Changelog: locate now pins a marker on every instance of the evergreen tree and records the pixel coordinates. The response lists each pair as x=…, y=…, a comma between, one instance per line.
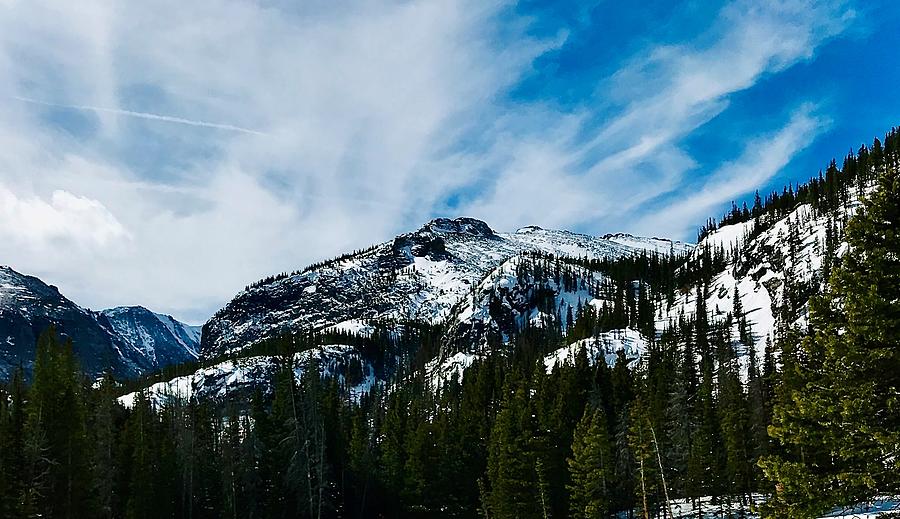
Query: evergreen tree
x=12, y=445
x=58, y=477
x=640, y=440
x=106, y=419
x=591, y=467
x=514, y=489
x=842, y=418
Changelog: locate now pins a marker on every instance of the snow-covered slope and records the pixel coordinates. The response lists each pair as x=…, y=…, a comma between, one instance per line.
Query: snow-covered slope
x=604, y=347
x=244, y=375
x=775, y=262
x=420, y=275
x=125, y=342
x=527, y=290
x=765, y=267
x=518, y=292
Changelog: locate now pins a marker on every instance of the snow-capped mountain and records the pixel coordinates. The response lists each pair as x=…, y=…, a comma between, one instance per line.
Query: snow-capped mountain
x=483, y=285
x=536, y=291
x=775, y=261
x=125, y=341
x=160, y=338
x=421, y=275
x=518, y=287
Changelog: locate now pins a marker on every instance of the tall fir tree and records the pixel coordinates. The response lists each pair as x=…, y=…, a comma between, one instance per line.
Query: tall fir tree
x=59, y=484
x=591, y=467
x=841, y=420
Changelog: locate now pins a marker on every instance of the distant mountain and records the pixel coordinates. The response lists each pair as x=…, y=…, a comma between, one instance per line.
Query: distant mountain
x=128, y=342
x=774, y=261
x=161, y=339
x=429, y=275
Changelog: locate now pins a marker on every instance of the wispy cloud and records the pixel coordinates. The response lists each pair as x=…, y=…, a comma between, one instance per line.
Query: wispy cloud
x=141, y=115
x=666, y=93
x=356, y=103
x=761, y=160
x=376, y=116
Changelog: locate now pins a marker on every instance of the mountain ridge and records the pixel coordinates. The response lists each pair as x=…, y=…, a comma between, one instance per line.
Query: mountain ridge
x=125, y=341
x=420, y=274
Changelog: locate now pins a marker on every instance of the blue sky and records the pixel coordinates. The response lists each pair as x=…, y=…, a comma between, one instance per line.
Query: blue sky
x=167, y=154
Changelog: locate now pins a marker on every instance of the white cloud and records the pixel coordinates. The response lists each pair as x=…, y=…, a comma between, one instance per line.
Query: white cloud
x=637, y=154
x=66, y=219
x=355, y=104
x=760, y=161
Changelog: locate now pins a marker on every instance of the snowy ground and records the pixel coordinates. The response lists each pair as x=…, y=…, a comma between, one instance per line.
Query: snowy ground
x=707, y=508
x=606, y=346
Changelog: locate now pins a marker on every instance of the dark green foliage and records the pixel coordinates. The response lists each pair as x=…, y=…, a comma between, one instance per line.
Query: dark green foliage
x=56, y=448
x=513, y=459
x=839, y=414
x=591, y=467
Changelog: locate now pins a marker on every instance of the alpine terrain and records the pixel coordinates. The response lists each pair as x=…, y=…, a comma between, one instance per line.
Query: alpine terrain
x=126, y=342
x=457, y=371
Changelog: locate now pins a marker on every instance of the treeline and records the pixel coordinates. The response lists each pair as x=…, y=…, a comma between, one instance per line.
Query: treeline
x=314, y=266
x=510, y=439
x=391, y=348
x=826, y=192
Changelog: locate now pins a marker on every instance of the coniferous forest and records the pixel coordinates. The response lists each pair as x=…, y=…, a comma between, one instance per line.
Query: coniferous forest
x=808, y=423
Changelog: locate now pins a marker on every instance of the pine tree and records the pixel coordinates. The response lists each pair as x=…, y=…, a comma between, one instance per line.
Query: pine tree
x=591, y=467
x=841, y=417
x=744, y=333
x=142, y=434
x=680, y=420
x=232, y=470
x=12, y=445
x=705, y=463
x=758, y=416
x=105, y=422
x=511, y=461
x=59, y=479
x=640, y=440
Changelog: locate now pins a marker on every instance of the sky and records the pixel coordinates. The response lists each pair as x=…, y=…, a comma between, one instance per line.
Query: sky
x=168, y=153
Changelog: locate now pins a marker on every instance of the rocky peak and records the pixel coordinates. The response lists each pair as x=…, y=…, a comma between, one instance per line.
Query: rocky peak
x=461, y=225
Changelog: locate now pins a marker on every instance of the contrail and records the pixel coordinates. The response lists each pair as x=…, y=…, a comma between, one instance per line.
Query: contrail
x=142, y=115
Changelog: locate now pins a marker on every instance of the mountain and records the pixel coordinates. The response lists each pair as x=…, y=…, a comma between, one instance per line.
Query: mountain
x=128, y=342
x=244, y=375
x=775, y=261
x=483, y=287
x=420, y=275
x=161, y=339
x=425, y=276
x=535, y=373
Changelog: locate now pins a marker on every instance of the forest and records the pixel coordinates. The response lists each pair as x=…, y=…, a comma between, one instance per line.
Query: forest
x=809, y=423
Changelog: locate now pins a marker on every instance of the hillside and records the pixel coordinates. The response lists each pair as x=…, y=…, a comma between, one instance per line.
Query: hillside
x=416, y=276
x=455, y=370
